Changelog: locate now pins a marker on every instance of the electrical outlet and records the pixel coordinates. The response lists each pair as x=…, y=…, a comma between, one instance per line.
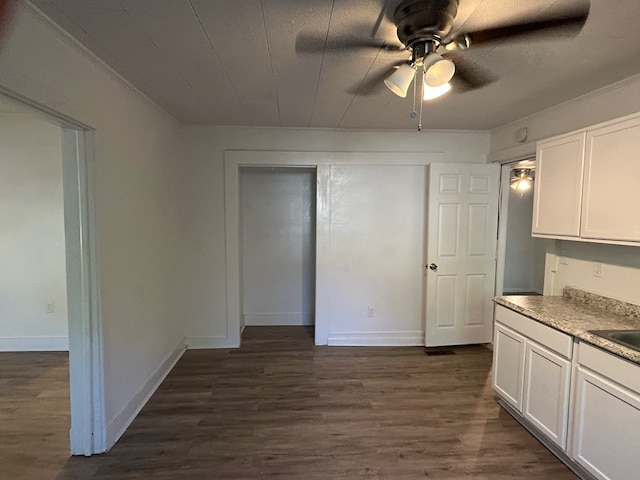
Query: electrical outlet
x=597, y=269
x=370, y=312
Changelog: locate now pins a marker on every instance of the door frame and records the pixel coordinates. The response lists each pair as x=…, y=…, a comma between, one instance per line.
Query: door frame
x=503, y=219
x=234, y=162
x=268, y=170
x=87, y=433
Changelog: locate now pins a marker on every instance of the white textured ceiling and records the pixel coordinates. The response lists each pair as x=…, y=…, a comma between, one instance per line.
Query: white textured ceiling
x=235, y=62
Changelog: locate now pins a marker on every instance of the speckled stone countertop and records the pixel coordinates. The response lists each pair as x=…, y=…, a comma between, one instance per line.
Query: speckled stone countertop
x=577, y=312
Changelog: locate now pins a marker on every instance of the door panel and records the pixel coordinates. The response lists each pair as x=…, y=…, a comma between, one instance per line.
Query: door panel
x=448, y=232
x=446, y=301
x=462, y=230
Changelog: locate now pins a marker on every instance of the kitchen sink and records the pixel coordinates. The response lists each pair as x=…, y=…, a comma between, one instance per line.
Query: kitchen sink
x=628, y=338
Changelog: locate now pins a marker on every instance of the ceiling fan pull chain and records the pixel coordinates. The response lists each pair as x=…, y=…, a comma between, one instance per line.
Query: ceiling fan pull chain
x=421, y=99
x=413, y=112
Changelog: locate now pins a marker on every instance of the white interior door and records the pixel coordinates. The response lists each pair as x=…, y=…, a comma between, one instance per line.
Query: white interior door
x=461, y=253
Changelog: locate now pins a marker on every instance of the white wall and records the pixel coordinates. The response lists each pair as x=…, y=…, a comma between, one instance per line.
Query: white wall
x=278, y=245
x=377, y=245
x=524, y=255
x=205, y=147
x=620, y=269
x=138, y=200
x=613, y=101
x=33, y=292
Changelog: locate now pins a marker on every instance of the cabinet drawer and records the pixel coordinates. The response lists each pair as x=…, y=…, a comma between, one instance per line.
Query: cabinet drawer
x=559, y=342
x=615, y=368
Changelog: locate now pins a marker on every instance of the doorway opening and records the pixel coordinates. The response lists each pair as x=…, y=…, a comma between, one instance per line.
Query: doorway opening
x=48, y=229
x=277, y=247
x=521, y=257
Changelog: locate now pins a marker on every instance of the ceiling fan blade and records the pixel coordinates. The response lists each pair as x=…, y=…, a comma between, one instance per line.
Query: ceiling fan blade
x=376, y=26
x=386, y=13
x=6, y=13
x=469, y=75
x=569, y=23
x=374, y=83
x=307, y=42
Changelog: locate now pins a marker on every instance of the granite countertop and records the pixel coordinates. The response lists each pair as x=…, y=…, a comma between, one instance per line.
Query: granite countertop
x=577, y=312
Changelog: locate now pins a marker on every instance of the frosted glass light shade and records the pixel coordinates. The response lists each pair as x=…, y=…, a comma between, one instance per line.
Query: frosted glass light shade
x=437, y=70
x=399, y=81
x=521, y=185
x=429, y=93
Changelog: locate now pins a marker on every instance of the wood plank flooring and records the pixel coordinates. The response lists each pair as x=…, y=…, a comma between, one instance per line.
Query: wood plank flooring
x=281, y=408
x=34, y=414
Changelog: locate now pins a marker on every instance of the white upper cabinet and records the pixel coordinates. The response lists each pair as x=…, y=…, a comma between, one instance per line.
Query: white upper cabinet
x=586, y=185
x=611, y=195
x=558, y=186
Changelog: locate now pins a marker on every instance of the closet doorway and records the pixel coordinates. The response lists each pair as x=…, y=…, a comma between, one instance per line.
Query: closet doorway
x=277, y=246
x=521, y=257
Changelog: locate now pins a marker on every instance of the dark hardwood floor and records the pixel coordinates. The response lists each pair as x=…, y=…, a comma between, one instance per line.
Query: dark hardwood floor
x=281, y=408
x=34, y=414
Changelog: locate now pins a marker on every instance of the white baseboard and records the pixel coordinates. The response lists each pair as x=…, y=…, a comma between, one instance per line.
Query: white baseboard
x=377, y=339
x=277, y=319
x=34, y=344
x=117, y=426
x=196, y=343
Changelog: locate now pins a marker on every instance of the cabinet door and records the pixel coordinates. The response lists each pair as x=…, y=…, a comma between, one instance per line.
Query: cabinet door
x=508, y=365
x=558, y=186
x=606, y=431
x=611, y=195
x=546, y=392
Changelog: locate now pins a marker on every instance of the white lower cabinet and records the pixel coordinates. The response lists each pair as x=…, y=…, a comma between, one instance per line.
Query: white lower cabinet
x=532, y=372
x=546, y=392
x=508, y=365
x=606, y=423
x=579, y=397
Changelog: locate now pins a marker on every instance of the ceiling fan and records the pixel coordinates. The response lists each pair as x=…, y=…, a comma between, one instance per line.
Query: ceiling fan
x=426, y=29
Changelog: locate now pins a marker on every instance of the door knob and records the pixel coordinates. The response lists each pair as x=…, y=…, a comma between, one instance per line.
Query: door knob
x=433, y=267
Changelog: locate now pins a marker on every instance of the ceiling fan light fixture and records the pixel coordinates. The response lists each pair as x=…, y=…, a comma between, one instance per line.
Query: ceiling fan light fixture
x=437, y=70
x=522, y=180
x=461, y=42
x=399, y=81
x=429, y=93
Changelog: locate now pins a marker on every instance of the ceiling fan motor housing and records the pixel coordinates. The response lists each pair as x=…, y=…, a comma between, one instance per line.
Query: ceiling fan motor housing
x=424, y=20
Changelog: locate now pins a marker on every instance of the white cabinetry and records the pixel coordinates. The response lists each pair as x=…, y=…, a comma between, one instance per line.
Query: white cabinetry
x=532, y=367
x=586, y=184
x=546, y=392
x=558, y=186
x=606, y=423
x=611, y=196
x=508, y=365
